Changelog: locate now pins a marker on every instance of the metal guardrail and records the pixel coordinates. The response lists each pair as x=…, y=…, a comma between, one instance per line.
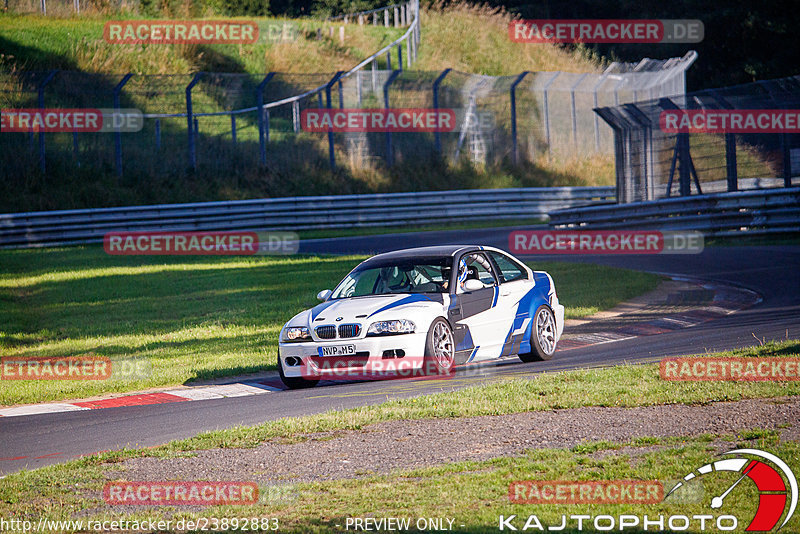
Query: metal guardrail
x=751, y=212
x=48, y=228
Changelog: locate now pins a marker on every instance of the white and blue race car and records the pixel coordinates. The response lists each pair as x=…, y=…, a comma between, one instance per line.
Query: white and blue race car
x=430, y=308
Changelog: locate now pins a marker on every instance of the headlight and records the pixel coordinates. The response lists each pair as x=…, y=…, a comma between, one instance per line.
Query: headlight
x=296, y=333
x=387, y=328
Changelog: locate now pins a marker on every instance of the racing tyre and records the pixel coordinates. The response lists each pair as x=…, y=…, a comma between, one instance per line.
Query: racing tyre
x=543, y=336
x=294, y=382
x=440, y=349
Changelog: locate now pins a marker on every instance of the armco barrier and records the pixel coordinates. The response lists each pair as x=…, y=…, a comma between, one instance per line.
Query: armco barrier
x=754, y=212
x=47, y=228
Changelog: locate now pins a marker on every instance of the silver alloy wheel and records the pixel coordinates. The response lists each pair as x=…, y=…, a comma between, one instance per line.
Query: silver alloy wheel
x=546, y=330
x=443, y=345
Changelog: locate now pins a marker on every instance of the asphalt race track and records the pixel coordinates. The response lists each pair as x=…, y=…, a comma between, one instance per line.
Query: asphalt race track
x=773, y=272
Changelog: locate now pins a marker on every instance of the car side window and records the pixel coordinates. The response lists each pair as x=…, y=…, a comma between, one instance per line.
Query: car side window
x=509, y=269
x=477, y=267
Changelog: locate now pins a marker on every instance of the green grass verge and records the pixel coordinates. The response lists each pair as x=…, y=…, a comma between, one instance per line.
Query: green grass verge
x=192, y=317
x=473, y=492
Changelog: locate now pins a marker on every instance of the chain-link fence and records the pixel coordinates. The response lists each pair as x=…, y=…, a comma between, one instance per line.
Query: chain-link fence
x=227, y=123
x=654, y=159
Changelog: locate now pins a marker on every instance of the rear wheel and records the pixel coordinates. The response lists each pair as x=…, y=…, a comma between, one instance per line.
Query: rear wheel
x=439, y=348
x=543, y=336
x=294, y=382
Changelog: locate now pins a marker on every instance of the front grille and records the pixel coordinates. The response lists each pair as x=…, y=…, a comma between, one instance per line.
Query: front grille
x=349, y=330
x=326, y=332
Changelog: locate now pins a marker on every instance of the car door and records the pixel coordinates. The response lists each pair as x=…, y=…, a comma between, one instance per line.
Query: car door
x=513, y=303
x=473, y=316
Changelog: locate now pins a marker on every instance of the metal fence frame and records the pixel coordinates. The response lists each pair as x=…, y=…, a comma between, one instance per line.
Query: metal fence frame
x=638, y=139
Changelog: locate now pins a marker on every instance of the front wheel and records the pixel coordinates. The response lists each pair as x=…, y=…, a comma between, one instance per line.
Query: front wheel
x=439, y=348
x=294, y=382
x=543, y=336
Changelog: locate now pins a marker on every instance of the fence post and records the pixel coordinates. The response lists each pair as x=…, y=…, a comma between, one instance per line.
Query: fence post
x=513, y=93
x=386, y=18
x=400, y=57
x=117, y=134
x=389, y=153
x=341, y=94
x=437, y=134
x=233, y=128
x=158, y=134
x=595, y=104
x=296, y=116
x=389, y=59
x=44, y=7
x=48, y=78
x=374, y=78
x=78, y=6
x=408, y=49
x=190, y=120
x=731, y=170
x=574, y=110
x=358, y=86
x=262, y=144
x=547, y=111
x=396, y=18
x=75, y=148
x=331, y=153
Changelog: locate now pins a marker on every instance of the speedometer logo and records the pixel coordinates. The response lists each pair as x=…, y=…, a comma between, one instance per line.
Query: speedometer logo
x=771, y=476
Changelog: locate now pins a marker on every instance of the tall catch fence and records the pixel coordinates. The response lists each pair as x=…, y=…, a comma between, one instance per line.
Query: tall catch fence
x=232, y=123
x=654, y=161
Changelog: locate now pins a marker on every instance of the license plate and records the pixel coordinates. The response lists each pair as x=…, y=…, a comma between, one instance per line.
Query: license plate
x=337, y=350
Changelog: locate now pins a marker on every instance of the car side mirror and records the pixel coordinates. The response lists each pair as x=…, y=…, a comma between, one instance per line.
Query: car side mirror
x=473, y=285
x=324, y=294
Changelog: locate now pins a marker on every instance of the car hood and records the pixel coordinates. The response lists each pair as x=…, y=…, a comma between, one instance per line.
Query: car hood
x=363, y=309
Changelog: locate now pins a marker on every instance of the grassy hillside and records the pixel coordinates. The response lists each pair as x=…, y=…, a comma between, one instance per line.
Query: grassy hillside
x=468, y=39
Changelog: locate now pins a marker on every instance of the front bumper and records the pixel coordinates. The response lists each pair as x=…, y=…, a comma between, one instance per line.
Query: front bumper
x=374, y=356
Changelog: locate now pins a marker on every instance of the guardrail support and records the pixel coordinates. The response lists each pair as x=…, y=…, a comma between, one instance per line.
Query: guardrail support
x=48, y=79
x=331, y=152
x=389, y=152
x=262, y=140
x=189, y=120
x=437, y=134
x=233, y=129
x=513, y=94
x=117, y=134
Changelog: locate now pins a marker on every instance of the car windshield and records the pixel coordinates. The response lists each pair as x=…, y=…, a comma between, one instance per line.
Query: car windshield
x=420, y=275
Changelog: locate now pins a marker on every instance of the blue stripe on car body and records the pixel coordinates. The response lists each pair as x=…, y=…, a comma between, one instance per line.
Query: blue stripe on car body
x=405, y=300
